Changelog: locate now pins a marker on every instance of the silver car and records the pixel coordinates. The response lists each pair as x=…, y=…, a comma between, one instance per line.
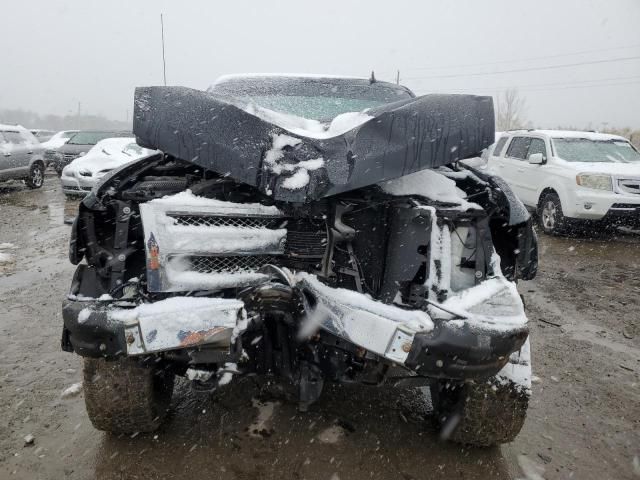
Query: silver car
x=21, y=156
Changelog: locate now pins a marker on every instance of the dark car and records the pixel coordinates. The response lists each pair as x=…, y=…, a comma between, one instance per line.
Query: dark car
x=79, y=144
x=313, y=229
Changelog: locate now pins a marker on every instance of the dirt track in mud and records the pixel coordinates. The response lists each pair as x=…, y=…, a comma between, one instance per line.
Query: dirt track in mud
x=583, y=422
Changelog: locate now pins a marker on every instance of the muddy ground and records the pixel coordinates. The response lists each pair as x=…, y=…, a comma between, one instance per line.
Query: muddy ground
x=583, y=422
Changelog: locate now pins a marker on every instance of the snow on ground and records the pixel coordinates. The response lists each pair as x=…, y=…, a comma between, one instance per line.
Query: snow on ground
x=5, y=258
x=261, y=426
x=71, y=391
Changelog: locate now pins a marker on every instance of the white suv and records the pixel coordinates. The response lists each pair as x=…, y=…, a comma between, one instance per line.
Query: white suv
x=570, y=176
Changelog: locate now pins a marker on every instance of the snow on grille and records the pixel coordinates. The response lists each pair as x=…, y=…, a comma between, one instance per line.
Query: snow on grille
x=218, y=221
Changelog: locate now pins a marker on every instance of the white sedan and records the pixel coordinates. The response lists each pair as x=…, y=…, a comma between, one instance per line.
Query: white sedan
x=81, y=175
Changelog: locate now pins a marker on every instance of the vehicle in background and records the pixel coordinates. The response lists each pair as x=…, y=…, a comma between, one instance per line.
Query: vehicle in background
x=571, y=178
x=81, y=175
x=21, y=156
x=79, y=144
x=42, y=135
x=52, y=145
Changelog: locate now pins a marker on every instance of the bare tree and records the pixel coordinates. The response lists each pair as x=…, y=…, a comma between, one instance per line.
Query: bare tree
x=510, y=110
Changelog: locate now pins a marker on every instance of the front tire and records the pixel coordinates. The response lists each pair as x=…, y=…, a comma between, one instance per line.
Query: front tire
x=36, y=175
x=550, y=216
x=123, y=396
x=487, y=412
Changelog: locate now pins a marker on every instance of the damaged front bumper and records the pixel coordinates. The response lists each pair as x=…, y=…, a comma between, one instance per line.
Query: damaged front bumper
x=469, y=343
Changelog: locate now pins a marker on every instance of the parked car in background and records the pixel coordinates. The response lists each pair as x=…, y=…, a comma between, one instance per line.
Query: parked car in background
x=42, y=135
x=21, y=156
x=81, y=175
x=79, y=144
x=570, y=177
x=52, y=145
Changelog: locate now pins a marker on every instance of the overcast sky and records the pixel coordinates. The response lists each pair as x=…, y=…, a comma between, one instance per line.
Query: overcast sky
x=59, y=53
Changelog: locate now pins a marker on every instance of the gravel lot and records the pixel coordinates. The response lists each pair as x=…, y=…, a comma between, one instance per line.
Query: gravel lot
x=583, y=422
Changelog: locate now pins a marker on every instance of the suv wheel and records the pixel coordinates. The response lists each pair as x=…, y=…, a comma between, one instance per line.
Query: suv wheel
x=123, y=396
x=480, y=414
x=36, y=175
x=550, y=216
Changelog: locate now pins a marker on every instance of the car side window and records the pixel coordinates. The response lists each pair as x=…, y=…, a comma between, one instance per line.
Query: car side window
x=499, y=146
x=537, y=146
x=28, y=137
x=519, y=147
x=14, y=138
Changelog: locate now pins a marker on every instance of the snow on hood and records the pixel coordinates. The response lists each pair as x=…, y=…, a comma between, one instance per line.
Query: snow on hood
x=605, y=168
x=306, y=127
x=357, y=149
x=57, y=140
x=109, y=154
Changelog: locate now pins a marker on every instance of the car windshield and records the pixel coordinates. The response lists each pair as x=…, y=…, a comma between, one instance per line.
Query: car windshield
x=89, y=138
x=602, y=151
x=316, y=99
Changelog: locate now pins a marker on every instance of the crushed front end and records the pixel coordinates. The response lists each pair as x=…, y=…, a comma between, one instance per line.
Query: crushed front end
x=406, y=281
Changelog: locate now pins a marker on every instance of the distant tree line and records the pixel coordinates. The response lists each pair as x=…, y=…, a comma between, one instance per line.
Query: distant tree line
x=33, y=120
x=510, y=108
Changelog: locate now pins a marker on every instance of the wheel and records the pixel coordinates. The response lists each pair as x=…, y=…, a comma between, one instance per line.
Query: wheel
x=123, y=396
x=36, y=175
x=487, y=412
x=550, y=216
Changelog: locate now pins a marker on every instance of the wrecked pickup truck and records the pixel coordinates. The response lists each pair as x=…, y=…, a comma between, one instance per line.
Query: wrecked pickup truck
x=315, y=229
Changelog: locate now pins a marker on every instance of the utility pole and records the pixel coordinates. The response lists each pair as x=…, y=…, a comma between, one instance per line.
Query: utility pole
x=164, y=63
x=398, y=78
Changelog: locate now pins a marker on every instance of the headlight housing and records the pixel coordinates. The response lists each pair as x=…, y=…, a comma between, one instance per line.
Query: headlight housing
x=596, y=182
x=85, y=173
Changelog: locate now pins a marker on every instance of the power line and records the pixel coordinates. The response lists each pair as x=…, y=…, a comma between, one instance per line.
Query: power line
x=545, y=57
x=544, y=89
x=611, y=79
x=530, y=69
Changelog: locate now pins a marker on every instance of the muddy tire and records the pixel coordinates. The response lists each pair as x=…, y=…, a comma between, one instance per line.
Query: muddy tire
x=479, y=414
x=123, y=396
x=550, y=217
x=36, y=175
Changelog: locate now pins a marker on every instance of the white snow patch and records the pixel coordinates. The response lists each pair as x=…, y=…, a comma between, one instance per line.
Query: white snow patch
x=298, y=180
x=7, y=246
x=429, y=184
x=199, y=375
x=262, y=423
x=5, y=258
x=84, y=314
x=188, y=199
x=306, y=127
x=300, y=170
x=71, y=391
x=331, y=435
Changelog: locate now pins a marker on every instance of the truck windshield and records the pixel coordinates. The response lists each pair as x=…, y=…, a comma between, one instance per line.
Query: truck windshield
x=317, y=99
x=587, y=150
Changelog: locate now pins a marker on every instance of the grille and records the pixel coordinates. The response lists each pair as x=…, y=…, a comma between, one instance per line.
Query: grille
x=629, y=186
x=306, y=244
x=626, y=205
x=69, y=156
x=217, y=221
x=232, y=264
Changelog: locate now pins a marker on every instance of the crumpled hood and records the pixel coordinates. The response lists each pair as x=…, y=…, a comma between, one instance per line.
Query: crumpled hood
x=217, y=133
